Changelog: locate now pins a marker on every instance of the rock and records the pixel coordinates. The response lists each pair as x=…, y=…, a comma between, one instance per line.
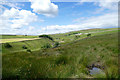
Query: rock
x=103, y=67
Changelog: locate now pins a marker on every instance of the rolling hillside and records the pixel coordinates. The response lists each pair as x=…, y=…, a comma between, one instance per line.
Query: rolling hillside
x=34, y=43
x=70, y=60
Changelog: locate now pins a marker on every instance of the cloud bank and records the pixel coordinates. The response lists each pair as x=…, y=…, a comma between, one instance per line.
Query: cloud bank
x=16, y=19
x=104, y=4
x=103, y=21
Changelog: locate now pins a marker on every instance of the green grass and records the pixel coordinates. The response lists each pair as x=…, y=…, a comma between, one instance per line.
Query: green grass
x=67, y=61
x=16, y=36
x=31, y=44
x=70, y=36
x=37, y=44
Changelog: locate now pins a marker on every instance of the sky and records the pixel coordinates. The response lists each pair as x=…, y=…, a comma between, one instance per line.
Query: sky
x=36, y=17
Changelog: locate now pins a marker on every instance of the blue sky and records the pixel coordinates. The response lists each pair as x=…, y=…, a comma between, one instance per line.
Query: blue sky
x=56, y=17
x=68, y=11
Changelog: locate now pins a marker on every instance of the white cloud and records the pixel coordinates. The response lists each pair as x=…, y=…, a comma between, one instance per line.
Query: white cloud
x=31, y=28
x=41, y=20
x=44, y=7
x=15, y=18
x=103, y=4
x=103, y=21
x=108, y=5
x=4, y=4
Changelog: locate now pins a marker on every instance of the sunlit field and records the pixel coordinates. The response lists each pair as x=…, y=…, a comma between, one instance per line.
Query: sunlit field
x=70, y=59
x=59, y=39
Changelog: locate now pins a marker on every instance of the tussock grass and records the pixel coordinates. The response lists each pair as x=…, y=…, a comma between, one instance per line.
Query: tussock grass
x=71, y=62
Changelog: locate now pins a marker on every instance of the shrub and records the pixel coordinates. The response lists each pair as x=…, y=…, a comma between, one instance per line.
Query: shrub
x=24, y=47
x=75, y=33
x=95, y=48
x=28, y=50
x=46, y=36
x=76, y=37
x=7, y=45
x=47, y=45
x=56, y=44
x=61, y=60
x=88, y=34
x=69, y=34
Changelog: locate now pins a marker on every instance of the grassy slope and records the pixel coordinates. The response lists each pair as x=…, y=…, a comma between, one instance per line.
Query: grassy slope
x=16, y=36
x=37, y=44
x=16, y=40
x=69, y=61
x=31, y=44
x=67, y=39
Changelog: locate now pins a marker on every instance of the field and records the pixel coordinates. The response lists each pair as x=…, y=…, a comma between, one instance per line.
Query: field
x=76, y=54
x=16, y=36
x=35, y=43
x=16, y=40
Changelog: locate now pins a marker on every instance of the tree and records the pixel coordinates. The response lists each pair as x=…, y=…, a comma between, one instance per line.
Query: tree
x=56, y=44
x=28, y=50
x=77, y=36
x=47, y=45
x=88, y=34
x=24, y=47
x=46, y=36
x=7, y=45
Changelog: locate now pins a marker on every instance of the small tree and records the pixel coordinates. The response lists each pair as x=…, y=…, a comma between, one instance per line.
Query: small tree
x=88, y=34
x=69, y=34
x=56, y=44
x=77, y=36
x=28, y=50
x=7, y=45
x=46, y=36
x=47, y=45
x=24, y=47
x=75, y=33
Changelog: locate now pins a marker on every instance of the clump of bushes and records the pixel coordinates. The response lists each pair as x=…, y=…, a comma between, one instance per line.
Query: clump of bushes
x=72, y=33
x=69, y=34
x=61, y=60
x=46, y=36
x=56, y=44
x=24, y=47
x=95, y=48
x=47, y=45
x=7, y=45
x=76, y=37
x=75, y=33
x=88, y=34
x=28, y=50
